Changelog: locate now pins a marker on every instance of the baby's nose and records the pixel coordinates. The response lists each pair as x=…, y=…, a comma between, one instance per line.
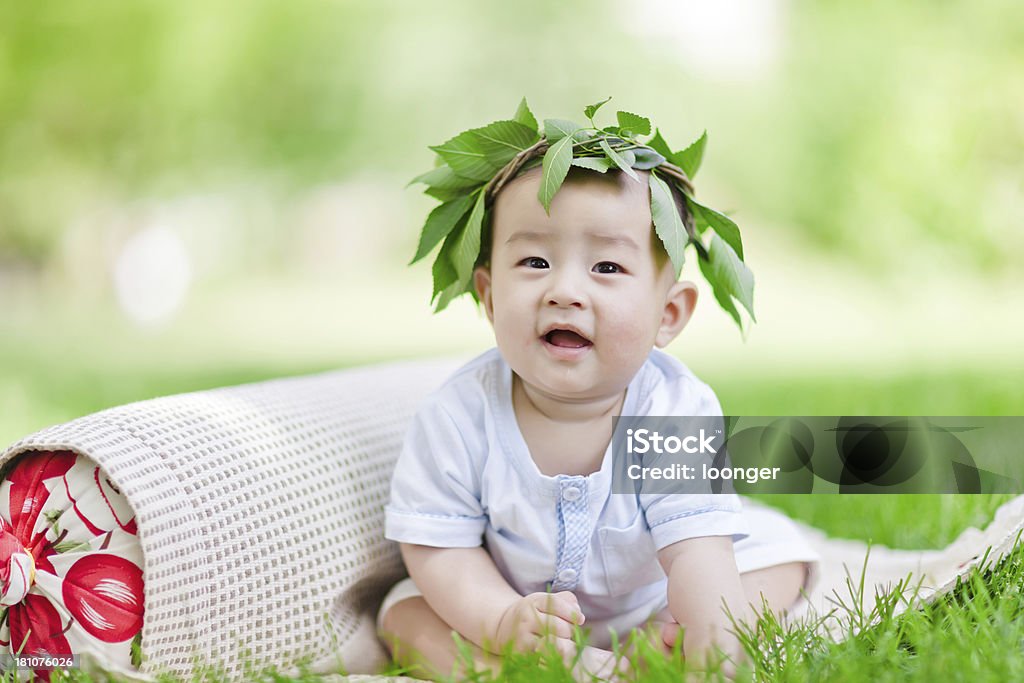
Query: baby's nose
x=565, y=302
x=564, y=294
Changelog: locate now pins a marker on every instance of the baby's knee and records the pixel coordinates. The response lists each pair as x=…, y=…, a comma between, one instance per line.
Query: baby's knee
x=386, y=625
x=398, y=615
x=779, y=586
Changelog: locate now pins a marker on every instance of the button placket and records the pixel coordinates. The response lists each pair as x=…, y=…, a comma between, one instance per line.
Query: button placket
x=573, y=532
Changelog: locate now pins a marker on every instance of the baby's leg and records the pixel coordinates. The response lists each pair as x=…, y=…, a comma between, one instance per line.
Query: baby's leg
x=422, y=642
x=779, y=586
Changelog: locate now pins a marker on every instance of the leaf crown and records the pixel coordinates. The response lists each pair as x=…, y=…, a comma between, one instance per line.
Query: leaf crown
x=472, y=167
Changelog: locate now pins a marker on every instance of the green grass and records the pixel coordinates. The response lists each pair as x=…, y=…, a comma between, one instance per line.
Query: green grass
x=973, y=633
x=899, y=521
x=950, y=390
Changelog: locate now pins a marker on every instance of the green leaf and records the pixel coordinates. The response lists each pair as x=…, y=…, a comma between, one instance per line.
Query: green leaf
x=554, y=169
x=466, y=156
x=443, y=178
x=502, y=140
x=136, y=650
x=720, y=223
x=524, y=116
x=689, y=159
x=532, y=163
x=440, y=222
x=668, y=224
x=424, y=177
x=646, y=158
x=659, y=145
x=467, y=245
x=443, y=184
x=618, y=160
x=721, y=295
x=53, y=515
x=72, y=547
x=732, y=273
x=591, y=109
x=445, y=195
x=443, y=270
x=640, y=125
x=450, y=292
x=556, y=129
x=599, y=164
x=53, y=519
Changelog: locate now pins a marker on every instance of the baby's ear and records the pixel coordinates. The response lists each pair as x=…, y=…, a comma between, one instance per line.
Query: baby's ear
x=679, y=305
x=482, y=284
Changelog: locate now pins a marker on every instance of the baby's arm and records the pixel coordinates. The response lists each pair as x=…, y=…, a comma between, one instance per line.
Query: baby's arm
x=702, y=575
x=465, y=589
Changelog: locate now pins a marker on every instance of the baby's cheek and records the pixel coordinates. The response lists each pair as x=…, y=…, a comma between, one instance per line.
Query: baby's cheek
x=631, y=338
x=510, y=338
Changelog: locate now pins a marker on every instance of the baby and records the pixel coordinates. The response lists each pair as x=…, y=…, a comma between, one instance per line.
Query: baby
x=502, y=499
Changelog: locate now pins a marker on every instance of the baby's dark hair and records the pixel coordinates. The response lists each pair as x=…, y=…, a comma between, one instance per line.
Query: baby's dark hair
x=661, y=256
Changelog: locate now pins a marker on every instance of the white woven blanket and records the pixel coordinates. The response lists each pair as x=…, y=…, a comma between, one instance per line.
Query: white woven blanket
x=260, y=514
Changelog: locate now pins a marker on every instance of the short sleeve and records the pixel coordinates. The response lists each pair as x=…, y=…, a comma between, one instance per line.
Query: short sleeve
x=435, y=490
x=674, y=517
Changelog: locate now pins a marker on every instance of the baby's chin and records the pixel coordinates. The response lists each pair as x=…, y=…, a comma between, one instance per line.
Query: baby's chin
x=573, y=391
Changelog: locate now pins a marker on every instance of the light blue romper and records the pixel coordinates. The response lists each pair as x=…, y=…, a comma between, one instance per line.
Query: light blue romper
x=465, y=477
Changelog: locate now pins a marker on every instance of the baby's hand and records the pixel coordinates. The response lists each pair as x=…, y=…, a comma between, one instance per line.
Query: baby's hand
x=530, y=621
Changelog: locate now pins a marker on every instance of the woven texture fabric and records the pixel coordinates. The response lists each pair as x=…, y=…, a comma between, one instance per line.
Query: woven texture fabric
x=259, y=511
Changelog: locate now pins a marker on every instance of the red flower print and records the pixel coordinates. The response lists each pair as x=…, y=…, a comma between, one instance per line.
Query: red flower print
x=101, y=591
x=104, y=593
x=36, y=629
x=27, y=490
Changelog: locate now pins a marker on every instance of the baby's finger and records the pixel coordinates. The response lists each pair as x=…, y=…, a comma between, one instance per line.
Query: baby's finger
x=563, y=605
x=528, y=642
x=548, y=625
x=565, y=647
x=670, y=633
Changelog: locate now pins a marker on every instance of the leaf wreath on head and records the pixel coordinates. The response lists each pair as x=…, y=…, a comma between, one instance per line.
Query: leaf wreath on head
x=473, y=166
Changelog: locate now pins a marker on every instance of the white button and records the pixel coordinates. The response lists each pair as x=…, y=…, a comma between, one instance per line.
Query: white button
x=571, y=493
x=567, y=576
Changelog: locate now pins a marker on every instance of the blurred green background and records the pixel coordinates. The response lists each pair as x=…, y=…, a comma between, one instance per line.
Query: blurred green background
x=195, y=194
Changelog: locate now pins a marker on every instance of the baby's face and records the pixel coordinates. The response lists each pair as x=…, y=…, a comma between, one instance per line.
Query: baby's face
x=577, y=298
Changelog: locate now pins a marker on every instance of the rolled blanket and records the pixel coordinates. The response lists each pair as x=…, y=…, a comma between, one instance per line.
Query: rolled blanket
x=258, y=512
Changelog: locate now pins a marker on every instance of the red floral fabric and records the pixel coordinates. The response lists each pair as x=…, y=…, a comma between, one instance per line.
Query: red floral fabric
x=70, y=561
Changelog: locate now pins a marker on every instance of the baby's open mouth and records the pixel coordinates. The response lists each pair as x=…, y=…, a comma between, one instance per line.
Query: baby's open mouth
x=566, y=339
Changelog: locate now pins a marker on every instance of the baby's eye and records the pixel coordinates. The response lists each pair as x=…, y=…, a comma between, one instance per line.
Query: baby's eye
x=534, y=262
x=607, y=268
